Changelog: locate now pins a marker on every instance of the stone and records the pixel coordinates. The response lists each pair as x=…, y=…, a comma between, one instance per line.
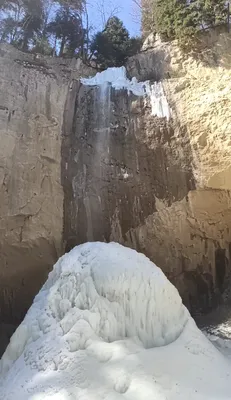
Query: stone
x=160, y=187
x=76, y=169
x=32, y=99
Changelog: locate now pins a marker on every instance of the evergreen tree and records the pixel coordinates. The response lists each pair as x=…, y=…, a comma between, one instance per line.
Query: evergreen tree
x=166, y=16
x=135, y=45
x=110, y=47
x=67, y=27
x=42, y=45
x=25, y=19
x=26, y=23
x=184, y=18
x=209, y=12
x=176, y=19
x=7, y=29
x=113, y=46
x=30, y=26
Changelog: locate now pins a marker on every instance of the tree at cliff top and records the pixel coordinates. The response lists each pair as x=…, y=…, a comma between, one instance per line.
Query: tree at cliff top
x=113, y=46
x=67, y=27
x=182, y=18
x=62, y=26
x=29, y=24
x=176, y=19
x=209, y=13
x=20, y=20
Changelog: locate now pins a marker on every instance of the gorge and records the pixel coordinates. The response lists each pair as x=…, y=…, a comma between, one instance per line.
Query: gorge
x=82, y=162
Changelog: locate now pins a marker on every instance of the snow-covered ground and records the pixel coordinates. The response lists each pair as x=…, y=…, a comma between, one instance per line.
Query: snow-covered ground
x=217, y=327
x=108, y=325
x=223, y=345
x=220, y=335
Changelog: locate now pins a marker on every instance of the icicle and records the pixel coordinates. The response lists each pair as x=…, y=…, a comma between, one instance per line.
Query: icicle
x=117, y=79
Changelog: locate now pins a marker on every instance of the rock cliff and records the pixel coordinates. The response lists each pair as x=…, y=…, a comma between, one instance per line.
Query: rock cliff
x=160, y=187
x=191, y=238
x=32, y=98
x=76, y=166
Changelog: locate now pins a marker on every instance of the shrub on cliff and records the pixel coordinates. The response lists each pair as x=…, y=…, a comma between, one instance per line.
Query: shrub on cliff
x=113, y=46
x=183, y=19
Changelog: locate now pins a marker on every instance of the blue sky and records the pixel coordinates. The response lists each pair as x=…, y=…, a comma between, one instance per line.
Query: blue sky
x=125, y=9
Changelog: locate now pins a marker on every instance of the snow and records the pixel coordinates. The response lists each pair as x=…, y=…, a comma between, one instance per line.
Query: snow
x=109, y=325
x=117, y=78
x=223, y=345
x=220, y=336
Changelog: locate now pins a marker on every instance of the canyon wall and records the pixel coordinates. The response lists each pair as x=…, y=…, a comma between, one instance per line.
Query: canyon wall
x=191, y=239
x=33, y=92
x=116, y=166
x=159, y=186
x=82, y=163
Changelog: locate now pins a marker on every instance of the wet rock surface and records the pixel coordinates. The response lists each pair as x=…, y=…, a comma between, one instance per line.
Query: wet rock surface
x=112, y=170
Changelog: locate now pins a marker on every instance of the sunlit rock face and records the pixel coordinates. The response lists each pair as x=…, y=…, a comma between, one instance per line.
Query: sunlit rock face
x=157, y=182
x=194, y=246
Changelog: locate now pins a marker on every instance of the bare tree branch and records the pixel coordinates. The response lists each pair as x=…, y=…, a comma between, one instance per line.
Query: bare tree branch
x=136, y=13
x=106, y=10
x=137, y=3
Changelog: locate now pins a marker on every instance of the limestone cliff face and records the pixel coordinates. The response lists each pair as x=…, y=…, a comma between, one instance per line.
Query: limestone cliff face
x=32, y=98
x=160, y=187
x=191, y=238
x=116, y=165
x=82, y=164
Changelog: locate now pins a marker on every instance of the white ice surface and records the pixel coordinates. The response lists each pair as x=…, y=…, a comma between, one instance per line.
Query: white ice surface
x=220, y=336
x=159, y=101
x=108, y=325
x=223, y=345
x=117, y=78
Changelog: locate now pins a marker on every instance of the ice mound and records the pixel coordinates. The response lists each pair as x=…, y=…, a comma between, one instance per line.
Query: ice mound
x=108, y=323
x=105, y=290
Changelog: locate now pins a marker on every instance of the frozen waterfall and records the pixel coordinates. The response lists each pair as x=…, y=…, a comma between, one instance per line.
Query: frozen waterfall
x=117, y=78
